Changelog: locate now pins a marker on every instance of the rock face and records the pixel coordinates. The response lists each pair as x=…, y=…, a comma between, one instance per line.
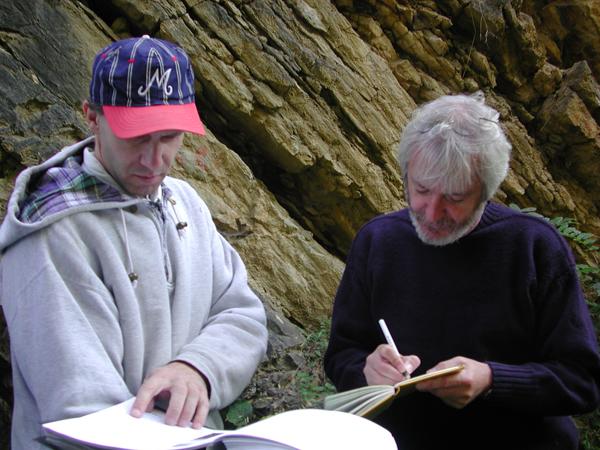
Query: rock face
x=304, y=101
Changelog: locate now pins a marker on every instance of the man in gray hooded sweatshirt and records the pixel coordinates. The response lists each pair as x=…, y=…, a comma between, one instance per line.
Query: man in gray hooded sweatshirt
x=114, y=280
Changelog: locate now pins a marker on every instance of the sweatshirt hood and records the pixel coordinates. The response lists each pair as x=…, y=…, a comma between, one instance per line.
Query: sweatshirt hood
x=55, y=189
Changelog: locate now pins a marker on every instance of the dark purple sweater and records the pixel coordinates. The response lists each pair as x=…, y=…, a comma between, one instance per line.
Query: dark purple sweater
x=507, y=294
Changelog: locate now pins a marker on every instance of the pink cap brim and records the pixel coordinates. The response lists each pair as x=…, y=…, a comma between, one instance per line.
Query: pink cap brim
x=133, y=121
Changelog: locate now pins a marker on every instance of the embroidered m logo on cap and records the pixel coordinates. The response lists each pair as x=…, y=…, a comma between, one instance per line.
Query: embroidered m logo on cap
x=145, y=85
x=161, y=81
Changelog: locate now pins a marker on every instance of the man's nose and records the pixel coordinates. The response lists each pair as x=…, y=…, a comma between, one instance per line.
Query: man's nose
x=151, y=157
x=435, y=209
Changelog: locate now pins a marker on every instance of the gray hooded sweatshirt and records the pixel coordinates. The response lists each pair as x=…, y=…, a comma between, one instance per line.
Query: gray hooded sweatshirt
x=99, y=288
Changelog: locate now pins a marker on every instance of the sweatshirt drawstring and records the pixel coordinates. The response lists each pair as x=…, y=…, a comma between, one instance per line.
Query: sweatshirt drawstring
x=179, y=224
x=133, y=277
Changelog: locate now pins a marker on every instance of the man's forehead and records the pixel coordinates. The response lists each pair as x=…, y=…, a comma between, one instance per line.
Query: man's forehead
x=445, y=185
x=434, y=175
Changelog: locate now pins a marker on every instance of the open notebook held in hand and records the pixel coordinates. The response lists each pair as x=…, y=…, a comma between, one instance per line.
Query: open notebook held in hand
x=369, y=401
x=301, y=429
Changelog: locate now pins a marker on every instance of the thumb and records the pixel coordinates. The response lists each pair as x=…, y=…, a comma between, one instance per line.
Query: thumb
x=411, y=363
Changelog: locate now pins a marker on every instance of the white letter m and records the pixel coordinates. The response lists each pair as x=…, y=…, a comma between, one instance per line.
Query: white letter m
x=161, y=81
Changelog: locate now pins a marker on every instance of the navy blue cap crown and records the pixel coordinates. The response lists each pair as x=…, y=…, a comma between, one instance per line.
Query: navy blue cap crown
x=142, y=71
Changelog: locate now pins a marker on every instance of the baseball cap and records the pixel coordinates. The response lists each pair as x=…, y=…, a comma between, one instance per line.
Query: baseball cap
x=145, y=85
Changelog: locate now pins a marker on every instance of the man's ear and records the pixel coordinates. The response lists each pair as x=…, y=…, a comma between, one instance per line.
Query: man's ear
x=91, y=116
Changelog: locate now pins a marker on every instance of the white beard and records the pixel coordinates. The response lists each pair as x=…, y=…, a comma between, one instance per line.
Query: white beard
x=458, y=230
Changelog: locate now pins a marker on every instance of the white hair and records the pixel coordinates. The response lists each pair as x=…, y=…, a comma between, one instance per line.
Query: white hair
x=458, y=138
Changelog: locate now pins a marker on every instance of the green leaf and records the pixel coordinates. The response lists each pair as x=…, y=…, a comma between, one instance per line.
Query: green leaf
x=239, y=413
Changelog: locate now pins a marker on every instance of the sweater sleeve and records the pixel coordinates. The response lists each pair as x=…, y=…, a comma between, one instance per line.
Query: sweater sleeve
x=563, y=378
x=64, y=331
x=352, y=336
x=233, y=340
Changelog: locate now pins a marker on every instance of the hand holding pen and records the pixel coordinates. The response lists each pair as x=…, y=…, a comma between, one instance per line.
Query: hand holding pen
x=390, y=341
x=386, y=365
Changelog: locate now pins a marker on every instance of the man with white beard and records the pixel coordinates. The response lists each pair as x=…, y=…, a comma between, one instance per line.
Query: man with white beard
x=461, y=280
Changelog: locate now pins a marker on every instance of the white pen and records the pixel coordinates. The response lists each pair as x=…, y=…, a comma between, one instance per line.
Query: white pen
x=390, y=341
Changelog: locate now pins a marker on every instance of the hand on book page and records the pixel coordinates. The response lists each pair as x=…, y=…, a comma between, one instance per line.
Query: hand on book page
x=368, y=401
x=114, y=427
x=301, y=429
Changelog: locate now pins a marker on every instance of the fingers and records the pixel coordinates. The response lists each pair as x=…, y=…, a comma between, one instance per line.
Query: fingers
x=404, y=365
x=460, y=389
x=176, y=413
x=386, y=366
x=187, y=404
x=200, y=416
x=411, y=362
x=144, y=400
x=186, y=390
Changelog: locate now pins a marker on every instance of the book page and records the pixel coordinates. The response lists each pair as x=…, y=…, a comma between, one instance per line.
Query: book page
x=368, y=401
x=410, y=382
x=114, y=428
x=248, y=444
x=306, y=429
x=316, y=429
x=355, y=400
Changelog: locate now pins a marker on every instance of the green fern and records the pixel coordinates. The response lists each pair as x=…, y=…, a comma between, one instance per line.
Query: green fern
x=566, y=227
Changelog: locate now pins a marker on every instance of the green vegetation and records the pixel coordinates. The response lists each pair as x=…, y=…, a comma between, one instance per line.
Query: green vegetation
x=589, y=276
x=239, y=413
x=312, y=383
x=289, y=380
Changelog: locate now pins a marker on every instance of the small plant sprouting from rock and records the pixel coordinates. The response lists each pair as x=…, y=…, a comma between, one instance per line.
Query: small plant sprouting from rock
x=239, y=413
x=312, y=383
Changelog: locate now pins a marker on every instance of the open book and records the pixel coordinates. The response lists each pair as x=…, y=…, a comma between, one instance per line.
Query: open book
x=369, y=401
x=301, y=429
